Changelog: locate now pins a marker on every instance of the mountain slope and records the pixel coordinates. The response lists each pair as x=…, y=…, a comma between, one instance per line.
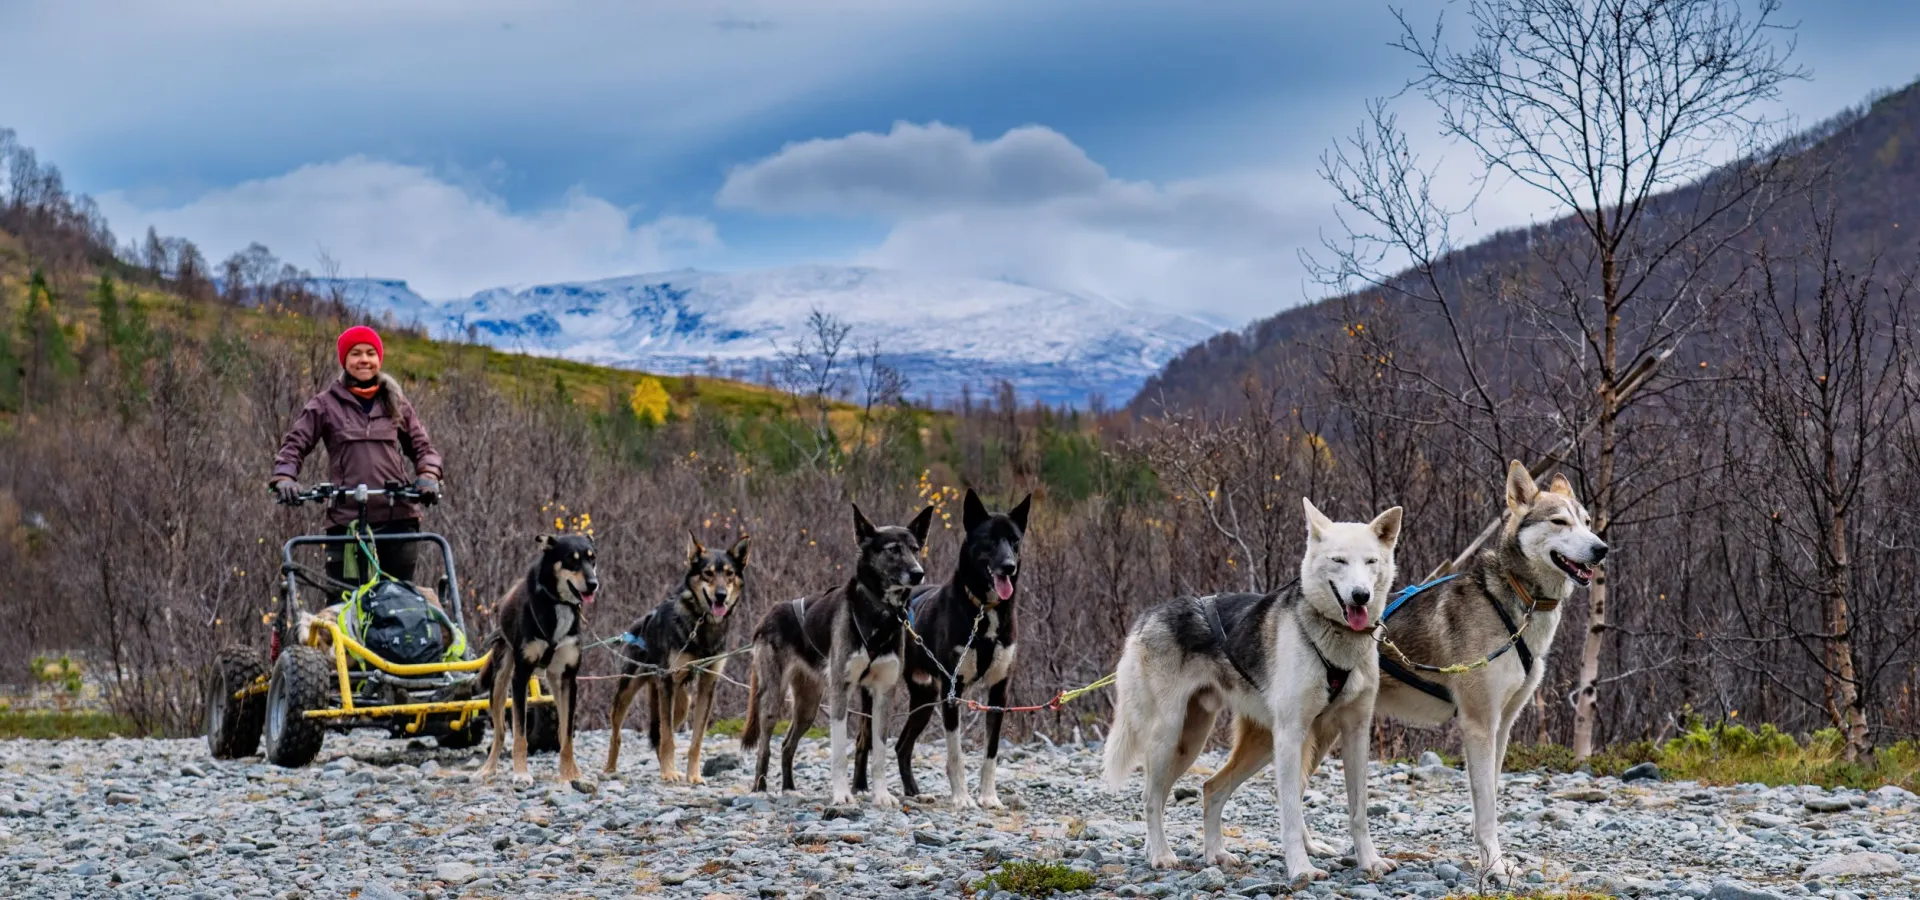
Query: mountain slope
x=1873, y=188
x=942, y=333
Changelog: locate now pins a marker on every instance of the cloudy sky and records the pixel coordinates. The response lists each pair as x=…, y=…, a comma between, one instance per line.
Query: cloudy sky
x=1158, y=153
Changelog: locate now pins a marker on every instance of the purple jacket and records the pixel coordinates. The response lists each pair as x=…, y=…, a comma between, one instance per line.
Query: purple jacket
x=369, y=447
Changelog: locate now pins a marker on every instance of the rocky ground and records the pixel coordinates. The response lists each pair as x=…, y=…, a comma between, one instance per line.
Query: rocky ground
x=376, y=820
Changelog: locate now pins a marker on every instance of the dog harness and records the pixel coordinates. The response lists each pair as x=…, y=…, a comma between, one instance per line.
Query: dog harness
x=1439, y=692
x=1336, y=677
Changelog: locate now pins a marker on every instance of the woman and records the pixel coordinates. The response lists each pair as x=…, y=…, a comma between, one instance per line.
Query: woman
x=371, y=433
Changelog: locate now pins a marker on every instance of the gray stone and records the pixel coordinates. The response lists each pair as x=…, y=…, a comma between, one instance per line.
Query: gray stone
x=455, y=872
x=1645, y=771
x=1862, y=863
x=1766, y=820
x=1893, y=795
x=122, y=798
x=719, y=764
x=1729, y=890
x=928, y=838
x=376, y=889
x=1430, y=758
x=1829, y=804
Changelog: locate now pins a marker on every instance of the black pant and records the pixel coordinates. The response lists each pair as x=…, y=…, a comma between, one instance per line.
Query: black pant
x=397, y=558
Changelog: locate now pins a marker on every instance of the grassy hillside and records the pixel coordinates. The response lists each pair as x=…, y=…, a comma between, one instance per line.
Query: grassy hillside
x=410, y=357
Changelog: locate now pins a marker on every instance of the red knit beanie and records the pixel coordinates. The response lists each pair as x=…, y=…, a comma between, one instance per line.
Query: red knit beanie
x=360, y=334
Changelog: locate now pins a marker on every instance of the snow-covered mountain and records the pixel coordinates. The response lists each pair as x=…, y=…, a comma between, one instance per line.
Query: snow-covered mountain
x=942, y=333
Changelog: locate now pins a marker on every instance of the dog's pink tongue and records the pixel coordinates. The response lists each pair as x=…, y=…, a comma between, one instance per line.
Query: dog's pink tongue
x=1357, y=618
x=1003, y=586
x=586, y=597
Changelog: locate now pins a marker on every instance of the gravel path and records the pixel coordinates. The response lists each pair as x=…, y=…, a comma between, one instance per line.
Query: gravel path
x=127, y=818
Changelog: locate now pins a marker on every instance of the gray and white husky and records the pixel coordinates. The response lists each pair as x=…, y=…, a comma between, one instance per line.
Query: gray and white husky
x=1296, y=667
x=1546, y=547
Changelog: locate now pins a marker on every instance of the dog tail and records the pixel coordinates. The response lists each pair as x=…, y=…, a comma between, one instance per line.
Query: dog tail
x=1122, y=752
x=750, y=730
x=495, y=652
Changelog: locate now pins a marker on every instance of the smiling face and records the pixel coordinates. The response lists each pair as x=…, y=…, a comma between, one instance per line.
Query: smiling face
x=570, y=558
x=716, y=580
x=1348, y=568
x=1552, y=528
x=890, y=556
x=363, y=362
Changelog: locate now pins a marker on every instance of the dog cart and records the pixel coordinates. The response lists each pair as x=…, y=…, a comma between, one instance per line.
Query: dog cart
x=377, y=654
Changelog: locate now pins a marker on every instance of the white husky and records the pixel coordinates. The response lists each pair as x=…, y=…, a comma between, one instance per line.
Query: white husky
x=1296, y=667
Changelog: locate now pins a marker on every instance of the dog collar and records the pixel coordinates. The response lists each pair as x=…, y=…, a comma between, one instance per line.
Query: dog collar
x=1535, y=605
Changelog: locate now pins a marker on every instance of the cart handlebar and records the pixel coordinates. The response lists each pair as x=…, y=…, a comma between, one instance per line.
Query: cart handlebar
x=323, y=493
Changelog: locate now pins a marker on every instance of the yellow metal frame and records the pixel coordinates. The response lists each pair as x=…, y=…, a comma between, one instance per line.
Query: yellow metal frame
x=343, y=645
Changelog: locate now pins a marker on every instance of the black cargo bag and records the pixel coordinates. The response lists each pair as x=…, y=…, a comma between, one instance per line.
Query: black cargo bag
x=398, y=624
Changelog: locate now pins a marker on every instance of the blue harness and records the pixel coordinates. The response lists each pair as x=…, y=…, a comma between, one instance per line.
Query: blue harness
x=1406, y=674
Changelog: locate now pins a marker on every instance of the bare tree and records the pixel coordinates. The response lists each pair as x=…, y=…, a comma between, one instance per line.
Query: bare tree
x=812, y=370
x=1603, y=107
x=1829, y=356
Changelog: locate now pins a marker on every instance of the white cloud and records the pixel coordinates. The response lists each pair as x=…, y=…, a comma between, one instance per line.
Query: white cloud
x=1030, y=206
x=389, y=220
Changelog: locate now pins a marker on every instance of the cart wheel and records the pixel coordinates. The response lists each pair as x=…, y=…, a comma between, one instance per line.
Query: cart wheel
x=469, y=736
x=302, y=680
x=543, y=728
x=233, y=725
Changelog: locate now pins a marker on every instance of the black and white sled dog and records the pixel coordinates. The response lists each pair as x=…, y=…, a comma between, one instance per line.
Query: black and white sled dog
x=844, y=642
x=540, y=627
x=1546, y=547
x=1296, y=667
x=688, y=626
x=966, y=638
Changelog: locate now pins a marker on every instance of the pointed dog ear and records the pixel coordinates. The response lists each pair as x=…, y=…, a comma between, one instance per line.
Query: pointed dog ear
x=1560, y=485
x=862, y=529
x=920, y=524
x=1386, y=527
x=739, y=550
x=694, y=549
x=1520, y=487
x=1317, y=522
x=544, y=540
x=972, y=512
x=1019, y=513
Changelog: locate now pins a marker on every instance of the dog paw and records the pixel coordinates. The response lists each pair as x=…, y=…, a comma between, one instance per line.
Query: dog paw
x=695, y=778
x=1163, y=859
x=991, y=801
x=523, y=779
x=1504, y=869
x=1376, y=866
x=671, y=776
x=1222, y=858
x=485, y=774
x=884, y=800
x=1305, y=875
x=1318, y=847
x=963, y=800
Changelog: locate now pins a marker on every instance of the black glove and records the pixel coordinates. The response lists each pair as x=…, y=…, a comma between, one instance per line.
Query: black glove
x=287, y=491
x=429, y=488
